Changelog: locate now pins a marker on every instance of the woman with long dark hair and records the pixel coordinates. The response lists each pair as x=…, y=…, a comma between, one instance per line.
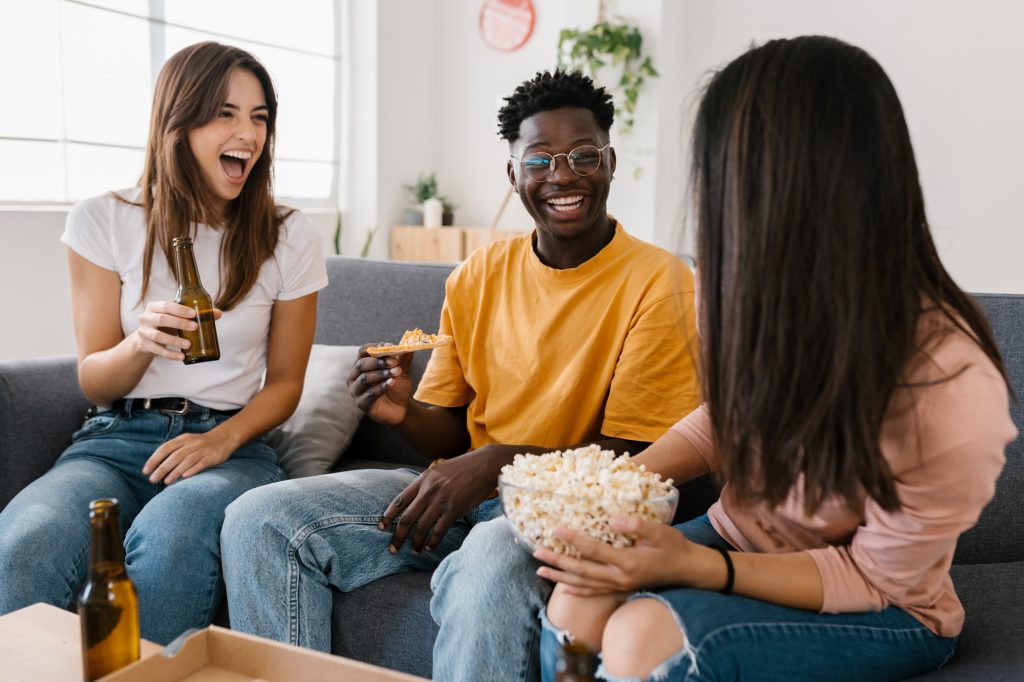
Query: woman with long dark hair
x=856, y=407
x=175, y=444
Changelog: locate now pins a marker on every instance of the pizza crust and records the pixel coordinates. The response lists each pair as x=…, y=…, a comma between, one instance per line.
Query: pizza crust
x=411, y=342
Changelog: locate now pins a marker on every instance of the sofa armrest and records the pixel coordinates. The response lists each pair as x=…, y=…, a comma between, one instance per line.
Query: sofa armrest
x=41, y=406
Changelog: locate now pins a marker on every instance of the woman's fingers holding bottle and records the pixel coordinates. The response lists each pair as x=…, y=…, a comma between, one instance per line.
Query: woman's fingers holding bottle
x=158, y=329
x=169, y=315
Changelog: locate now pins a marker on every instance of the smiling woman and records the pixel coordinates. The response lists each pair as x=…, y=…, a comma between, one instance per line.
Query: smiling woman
x=176, y=444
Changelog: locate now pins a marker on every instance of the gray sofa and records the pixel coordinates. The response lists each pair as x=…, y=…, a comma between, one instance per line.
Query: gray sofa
x=388, y=622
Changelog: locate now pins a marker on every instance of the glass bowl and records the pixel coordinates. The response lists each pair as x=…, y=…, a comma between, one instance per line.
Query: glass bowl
x=534, y=515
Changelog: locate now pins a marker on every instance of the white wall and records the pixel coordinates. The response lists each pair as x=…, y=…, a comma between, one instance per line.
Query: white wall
x=957, y=67
x=33, y=272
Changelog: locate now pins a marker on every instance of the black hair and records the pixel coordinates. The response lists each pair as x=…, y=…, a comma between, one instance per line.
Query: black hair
x=549, y=91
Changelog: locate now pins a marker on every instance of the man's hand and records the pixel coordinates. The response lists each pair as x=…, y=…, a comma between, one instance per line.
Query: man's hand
x=428, y=507
x=381, y=386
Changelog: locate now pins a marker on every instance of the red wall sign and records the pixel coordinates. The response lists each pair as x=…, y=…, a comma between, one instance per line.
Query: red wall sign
x=506, y=25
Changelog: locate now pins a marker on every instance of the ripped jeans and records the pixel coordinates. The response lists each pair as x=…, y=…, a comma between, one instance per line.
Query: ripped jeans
x=731, y=637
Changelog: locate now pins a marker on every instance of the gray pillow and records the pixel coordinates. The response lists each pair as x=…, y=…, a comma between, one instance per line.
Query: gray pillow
x=322, y=426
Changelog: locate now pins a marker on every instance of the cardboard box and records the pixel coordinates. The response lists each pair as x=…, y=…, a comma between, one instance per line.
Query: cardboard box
x=41, y=643
x=219, y=655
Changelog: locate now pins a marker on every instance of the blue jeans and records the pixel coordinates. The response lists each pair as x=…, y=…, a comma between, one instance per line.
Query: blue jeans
x=287, y=546
x=170, y=532
x=730, y=637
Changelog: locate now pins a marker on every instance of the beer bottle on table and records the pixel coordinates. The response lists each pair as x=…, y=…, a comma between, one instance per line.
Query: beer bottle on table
x=576, y=662
x=191, y=293
x=108, y=607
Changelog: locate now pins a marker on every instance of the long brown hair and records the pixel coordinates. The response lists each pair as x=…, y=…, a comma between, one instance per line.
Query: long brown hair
x=190, y=91
x=815, y=264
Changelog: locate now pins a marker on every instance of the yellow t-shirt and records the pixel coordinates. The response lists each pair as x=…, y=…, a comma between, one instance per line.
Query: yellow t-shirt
x=553, y=358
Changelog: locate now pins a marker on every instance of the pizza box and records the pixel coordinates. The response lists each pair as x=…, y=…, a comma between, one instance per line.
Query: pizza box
x=216, y=654
x=42, y=643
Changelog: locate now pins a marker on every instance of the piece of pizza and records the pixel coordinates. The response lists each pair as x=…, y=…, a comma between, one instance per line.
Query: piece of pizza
x=412, y=341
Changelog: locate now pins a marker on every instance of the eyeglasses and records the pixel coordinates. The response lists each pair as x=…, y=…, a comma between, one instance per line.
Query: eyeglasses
x=540, y=166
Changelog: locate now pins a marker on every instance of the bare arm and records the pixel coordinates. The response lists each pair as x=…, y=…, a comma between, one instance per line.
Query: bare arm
x=675, y=457
x=109, y=363
x=292, y=325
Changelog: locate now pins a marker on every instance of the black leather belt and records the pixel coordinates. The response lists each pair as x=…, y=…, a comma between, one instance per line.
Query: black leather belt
x=179, y=406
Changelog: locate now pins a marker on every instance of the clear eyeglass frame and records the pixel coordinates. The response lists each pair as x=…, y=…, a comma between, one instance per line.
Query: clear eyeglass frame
x=553, y=161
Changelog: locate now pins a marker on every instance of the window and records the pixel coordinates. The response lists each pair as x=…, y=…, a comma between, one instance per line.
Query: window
x=78, y=80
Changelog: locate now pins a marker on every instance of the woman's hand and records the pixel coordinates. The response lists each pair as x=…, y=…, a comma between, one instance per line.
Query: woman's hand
x=188, y=454
x=382, y=387
x=156, y=329
x=660, y=555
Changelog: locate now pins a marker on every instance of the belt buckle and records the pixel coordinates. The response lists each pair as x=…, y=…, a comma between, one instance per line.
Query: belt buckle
x=181, y=411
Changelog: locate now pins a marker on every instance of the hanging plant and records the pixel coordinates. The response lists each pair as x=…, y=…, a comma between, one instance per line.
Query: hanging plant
x=615, y=44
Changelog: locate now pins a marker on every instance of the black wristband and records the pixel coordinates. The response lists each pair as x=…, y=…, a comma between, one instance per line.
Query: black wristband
x=730, y=571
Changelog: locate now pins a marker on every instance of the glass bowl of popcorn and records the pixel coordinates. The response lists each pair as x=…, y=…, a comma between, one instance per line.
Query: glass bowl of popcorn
x=580, y=489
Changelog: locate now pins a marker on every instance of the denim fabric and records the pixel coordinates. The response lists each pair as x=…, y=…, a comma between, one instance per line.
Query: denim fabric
x=286, y=546
x=730, y=637
x=170, y=532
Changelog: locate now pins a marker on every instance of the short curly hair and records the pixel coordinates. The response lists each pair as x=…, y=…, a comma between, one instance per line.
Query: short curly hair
x=548, y=91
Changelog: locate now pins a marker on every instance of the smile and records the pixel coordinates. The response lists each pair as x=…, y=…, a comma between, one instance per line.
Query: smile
x=565, y=204
x=234, y=163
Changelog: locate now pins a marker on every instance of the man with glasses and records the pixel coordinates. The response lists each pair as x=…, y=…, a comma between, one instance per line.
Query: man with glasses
x=578, y=333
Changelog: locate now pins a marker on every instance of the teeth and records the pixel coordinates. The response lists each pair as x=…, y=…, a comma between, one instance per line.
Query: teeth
x=565, y=201
x=238, y=154
x=565, y=204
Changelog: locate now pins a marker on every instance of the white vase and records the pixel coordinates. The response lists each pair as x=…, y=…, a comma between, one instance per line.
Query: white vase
x=433, y=210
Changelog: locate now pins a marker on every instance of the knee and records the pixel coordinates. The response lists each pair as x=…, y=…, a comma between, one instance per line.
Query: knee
x=489, y=559
x=489, y=571
x=245, y=512
x=30, y=543
x=640, y=635
x=561, y=611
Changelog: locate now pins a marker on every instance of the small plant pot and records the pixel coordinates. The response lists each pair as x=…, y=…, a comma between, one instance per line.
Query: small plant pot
x=412, y=217
x=447, y=219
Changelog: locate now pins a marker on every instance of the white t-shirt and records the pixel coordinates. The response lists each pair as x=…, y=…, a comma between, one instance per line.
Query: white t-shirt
x=112, y=234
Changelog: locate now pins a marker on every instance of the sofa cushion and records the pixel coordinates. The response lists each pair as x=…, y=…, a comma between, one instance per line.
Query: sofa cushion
x=999, y=534
x=991, y=647
x=310, y=441
x=388, y=623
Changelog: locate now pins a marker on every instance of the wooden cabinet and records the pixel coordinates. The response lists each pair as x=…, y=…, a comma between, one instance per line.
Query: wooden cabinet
x=442, y=244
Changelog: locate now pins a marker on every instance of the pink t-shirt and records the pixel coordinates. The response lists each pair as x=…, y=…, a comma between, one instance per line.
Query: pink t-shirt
x=945, y=445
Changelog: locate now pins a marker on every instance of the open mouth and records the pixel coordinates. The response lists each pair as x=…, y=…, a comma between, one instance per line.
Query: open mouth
x=234, y=163
x=568, y=204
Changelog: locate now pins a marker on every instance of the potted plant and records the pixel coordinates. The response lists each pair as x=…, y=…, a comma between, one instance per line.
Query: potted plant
x=425, y=188
x=614, y=44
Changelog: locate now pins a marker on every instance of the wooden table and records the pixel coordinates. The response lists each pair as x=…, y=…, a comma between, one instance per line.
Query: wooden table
x=41, y=643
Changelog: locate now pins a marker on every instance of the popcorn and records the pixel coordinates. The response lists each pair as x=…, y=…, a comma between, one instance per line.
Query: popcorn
x=581, y=489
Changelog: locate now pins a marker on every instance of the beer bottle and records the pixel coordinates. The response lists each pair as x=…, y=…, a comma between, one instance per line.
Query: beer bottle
x=576, y=662
x=191, y=293
x=108, y=606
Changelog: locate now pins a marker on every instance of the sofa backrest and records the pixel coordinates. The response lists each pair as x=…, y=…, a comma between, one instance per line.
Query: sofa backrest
x=370, y=301
x=999, y=535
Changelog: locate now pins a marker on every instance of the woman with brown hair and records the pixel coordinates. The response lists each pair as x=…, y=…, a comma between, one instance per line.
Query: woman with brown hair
x=175, y=443
x=856, y=407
